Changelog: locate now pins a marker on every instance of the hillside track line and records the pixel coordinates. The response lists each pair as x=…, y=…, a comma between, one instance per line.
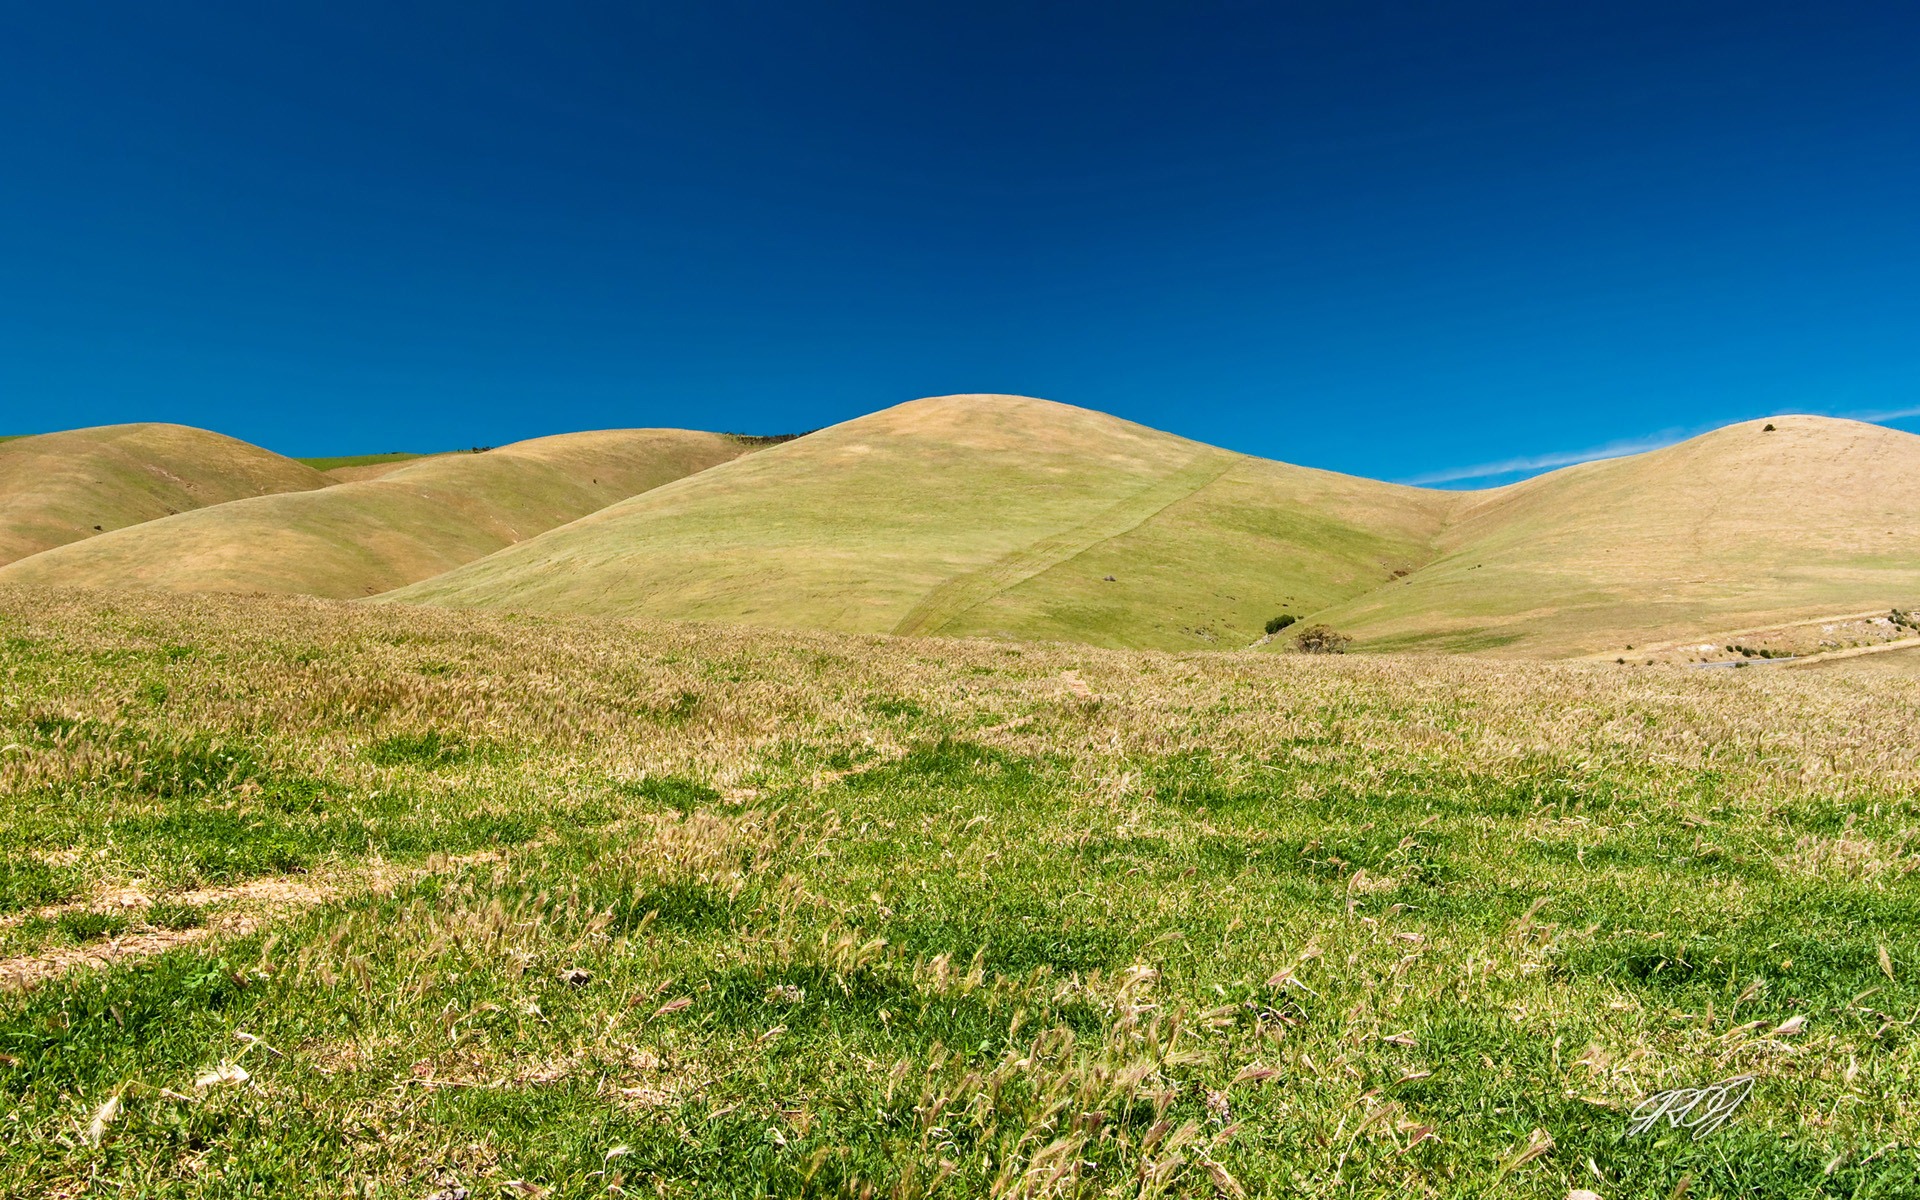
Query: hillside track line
x=1856, y=652
x=1724, y=635
x=972, y=588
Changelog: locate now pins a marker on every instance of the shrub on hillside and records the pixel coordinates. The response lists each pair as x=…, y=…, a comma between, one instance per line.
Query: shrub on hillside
x=1321, y=639
x=1276, y=624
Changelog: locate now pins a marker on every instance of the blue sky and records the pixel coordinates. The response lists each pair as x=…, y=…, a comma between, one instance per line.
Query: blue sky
x=1443, y=242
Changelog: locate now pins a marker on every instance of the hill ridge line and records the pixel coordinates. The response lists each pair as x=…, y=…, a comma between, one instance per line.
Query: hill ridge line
x=973, y=588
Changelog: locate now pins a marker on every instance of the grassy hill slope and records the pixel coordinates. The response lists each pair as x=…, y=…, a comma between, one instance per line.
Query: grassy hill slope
x=1009, y=517
x=346, y=468
x=1734, y=529
x=57, y=488
x=358, y=538
x=962, y=514
x=1261, y=538
x=379, y=466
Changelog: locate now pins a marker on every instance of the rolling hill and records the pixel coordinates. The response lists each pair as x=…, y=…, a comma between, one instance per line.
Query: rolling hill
x=357, y=538
x=976, y=514
x=1010, y=517
x=59, y=488
x=1740, y=528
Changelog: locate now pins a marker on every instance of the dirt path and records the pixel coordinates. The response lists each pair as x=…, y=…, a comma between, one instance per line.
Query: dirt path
x=1858, y=651
x=1723, y=636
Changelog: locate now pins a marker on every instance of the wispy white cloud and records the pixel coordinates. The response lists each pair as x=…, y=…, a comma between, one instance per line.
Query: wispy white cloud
x=1533, y=463
x=1547, y=462
x=1884, y=414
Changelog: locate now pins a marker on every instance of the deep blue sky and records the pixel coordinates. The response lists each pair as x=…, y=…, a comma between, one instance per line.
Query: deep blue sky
x=1391, y=239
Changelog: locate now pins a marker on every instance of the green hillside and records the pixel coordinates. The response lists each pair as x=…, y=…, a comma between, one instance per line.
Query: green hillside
x=57, y=488
x=1015, y=518
x=359, y=538
x=341, y=462
x=1258, y=539
x=965, y=514
x=1739, y=528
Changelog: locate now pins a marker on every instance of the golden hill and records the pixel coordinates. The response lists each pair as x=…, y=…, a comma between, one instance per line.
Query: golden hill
x=976, y=514
x=360, y=537
x=1737, y=529
x=1011, y=517
x=58, y=488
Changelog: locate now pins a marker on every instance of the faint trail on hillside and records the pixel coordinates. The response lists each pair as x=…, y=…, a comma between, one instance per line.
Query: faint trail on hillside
x=975, y=587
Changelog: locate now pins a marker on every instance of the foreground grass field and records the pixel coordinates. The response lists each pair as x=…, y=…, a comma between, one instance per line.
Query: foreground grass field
x=391, y=902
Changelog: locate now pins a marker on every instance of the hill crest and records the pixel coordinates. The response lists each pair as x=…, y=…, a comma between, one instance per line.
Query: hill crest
x=425, y=516
x=980, y=514
x=59, y=488
x=973, y=513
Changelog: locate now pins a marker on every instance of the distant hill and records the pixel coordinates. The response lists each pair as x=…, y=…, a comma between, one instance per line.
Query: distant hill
x=1004, y=516
x=58, y=488
x=976, y=514
x=346, y=467
x=358, y=538
x=1739, y=528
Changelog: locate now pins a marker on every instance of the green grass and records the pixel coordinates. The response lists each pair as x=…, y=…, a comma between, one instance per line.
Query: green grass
x=81, y=926
x=975, y=514
x=884, y=917
x=176, y=914
x=334, y=462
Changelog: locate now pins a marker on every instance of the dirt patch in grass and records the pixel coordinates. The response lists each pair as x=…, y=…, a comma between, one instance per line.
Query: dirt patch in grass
x=245, y=907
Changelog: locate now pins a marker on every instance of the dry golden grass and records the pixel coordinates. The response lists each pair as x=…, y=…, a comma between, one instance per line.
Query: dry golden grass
x=416, y=519
x=57, y=488
x=1005, y=516
x=360, y=472
x=1735, y=530
x=1011, y=517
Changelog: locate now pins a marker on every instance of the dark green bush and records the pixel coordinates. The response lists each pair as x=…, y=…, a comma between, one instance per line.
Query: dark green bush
x=1276, y=624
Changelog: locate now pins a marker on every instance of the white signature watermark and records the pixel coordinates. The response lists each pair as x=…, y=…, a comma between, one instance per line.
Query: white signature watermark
x=1701, y=1110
